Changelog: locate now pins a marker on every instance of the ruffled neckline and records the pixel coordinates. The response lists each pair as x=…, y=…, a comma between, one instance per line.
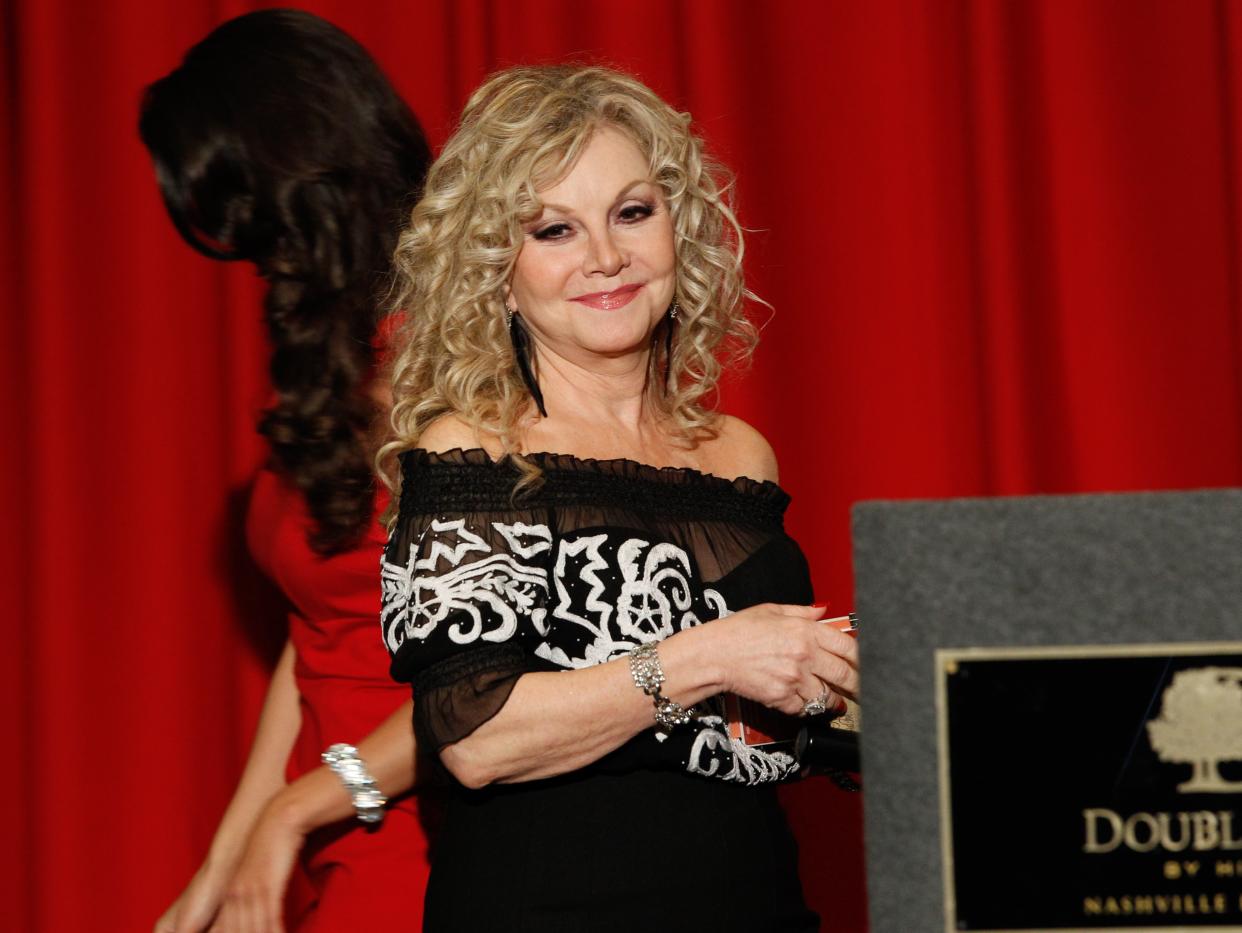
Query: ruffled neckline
x=619, y=467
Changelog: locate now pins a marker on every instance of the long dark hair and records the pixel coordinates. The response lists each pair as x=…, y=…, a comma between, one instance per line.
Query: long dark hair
x=279, y=141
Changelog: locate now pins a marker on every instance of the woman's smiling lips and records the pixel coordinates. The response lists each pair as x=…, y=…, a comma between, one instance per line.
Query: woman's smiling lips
x=609, y=301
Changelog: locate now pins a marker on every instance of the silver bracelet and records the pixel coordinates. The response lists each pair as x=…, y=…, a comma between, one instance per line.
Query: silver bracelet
x=345, y=764
x=648, y=677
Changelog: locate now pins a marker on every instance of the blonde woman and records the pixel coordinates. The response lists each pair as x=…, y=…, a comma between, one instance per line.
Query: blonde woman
x=585, y=555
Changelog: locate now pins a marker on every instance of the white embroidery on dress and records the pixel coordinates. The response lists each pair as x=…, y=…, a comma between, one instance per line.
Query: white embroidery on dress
x=539, y=536
x=589, y=547
x=438, y=550
x=654, y=585
x=717, y=603
x=396, y=597
x=490, y=593
x=714, y=749
x=655, y=599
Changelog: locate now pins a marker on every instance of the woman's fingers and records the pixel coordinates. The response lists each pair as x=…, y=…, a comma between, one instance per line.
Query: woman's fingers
x=837, y=643
x=240, y=914
x=790, y=705
x=836, y=674
x=272, y=920
x=814, y=691
x=836, y=662
x=800, y=612
x=254, y=915
x=257, y=916
x=810, y=688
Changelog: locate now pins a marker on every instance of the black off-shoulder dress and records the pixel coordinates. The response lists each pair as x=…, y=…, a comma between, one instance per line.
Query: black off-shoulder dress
x=682, y=832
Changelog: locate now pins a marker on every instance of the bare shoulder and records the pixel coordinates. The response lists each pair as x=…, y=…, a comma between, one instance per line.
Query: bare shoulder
x=449, y=432
x=740, y=450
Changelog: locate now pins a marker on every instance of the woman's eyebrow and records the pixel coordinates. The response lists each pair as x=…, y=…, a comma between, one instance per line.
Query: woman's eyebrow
x=631, y=186
x=561, y=209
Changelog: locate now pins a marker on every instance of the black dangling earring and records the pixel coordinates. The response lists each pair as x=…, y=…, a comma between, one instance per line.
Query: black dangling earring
x=668, y=343
x=521, y=350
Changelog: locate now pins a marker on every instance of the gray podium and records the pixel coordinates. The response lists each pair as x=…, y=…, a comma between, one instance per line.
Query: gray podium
x=1015, y=654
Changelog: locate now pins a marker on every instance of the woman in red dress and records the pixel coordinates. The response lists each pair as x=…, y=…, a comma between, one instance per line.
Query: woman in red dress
x=278, y=141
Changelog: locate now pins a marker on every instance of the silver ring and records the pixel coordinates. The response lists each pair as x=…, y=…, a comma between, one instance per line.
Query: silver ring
x=817, y=706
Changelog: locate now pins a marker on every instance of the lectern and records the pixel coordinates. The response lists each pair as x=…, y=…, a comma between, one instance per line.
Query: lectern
x=1052, y=712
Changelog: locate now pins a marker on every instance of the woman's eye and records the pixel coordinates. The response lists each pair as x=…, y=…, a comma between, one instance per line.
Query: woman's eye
x=552, y=232
x=633, y=212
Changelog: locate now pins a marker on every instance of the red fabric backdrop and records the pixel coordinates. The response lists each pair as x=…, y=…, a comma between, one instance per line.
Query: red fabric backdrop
x=1001, y=239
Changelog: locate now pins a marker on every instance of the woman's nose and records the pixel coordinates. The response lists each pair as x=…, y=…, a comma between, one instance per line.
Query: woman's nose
x=603, y=257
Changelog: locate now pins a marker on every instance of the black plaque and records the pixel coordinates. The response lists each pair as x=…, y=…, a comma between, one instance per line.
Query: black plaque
x=1091, y=788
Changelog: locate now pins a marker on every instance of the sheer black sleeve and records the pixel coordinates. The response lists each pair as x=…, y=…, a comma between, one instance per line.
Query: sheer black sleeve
x=465, y=592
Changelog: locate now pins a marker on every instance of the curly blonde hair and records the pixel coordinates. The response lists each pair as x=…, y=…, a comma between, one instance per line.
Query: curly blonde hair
x=523, y=129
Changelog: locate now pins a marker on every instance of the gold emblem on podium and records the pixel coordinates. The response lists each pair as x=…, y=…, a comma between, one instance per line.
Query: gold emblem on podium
x=1200, y=724
x=1145, y=856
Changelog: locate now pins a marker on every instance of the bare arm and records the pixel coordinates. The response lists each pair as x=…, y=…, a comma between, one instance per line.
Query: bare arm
x=318, y=798
x=557, y=722
x=264, y=774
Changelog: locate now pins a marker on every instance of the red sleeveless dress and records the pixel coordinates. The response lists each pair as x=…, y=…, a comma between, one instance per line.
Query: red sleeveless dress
x=361, y=880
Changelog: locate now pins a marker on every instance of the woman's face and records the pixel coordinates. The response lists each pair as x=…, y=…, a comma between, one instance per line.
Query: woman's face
x=597, y=269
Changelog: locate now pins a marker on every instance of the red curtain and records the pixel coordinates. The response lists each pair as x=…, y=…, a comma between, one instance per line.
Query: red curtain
x=1001, y=239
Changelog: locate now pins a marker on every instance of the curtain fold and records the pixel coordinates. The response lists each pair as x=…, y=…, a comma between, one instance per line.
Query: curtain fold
x=1001, y=241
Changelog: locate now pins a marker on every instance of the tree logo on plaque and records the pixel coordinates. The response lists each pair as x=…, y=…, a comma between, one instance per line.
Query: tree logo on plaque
x=1200, y=724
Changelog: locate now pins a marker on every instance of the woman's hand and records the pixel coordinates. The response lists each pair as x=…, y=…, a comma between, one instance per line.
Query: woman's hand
x=263, y=777
x=782, y=657
x=194, y=910
x=255, y=896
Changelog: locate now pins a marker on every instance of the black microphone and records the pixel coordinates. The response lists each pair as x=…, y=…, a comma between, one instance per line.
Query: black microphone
x=822, y=748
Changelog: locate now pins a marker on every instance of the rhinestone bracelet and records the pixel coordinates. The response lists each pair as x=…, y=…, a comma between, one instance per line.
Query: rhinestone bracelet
x=648, y=676
x=345, y=764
